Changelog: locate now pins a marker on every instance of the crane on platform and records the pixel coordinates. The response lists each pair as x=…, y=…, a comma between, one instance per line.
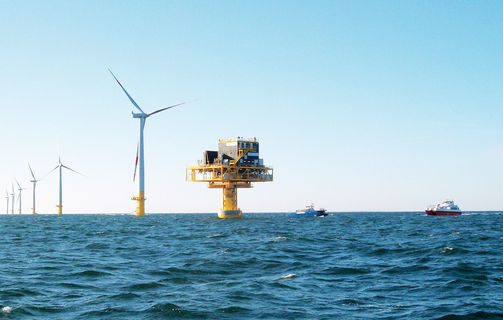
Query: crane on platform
x=235, y=165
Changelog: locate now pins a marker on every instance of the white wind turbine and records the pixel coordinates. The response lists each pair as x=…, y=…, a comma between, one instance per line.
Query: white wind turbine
x=7, y=198
x=60, y=166
x=12, y=203
x=34, y=181
x=19, y=196
x=140, y=209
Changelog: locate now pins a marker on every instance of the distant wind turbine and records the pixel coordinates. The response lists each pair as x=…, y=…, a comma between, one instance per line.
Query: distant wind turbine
x=7, y=198
x=34, y=181
x=140, y=209
x=20, y=189
x=60, y=166
x=12, y=195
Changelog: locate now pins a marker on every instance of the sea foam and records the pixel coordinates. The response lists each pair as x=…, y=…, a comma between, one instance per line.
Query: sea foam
x=6, y=310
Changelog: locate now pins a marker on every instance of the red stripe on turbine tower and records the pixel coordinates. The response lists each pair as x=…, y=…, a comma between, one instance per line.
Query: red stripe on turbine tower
x=136, y=162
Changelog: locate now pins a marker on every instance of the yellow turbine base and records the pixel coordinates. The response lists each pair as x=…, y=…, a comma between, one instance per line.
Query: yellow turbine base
x=60, y=209
x=140, y=206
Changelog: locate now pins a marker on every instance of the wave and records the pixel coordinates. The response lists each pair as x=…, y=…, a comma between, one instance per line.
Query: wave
x=472, y=316
x=108, y=313
x=173, y=310
x=346, y=270
x=234, y=310
x=91, y=274
x=278, y=239
x=288, y=276
x=216, y=236
x=399, y=270
x=125, y=296
x=6, y=310
x=145, y=286
x=72, y=285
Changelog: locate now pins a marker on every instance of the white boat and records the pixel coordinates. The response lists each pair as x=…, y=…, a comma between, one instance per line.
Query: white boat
x=309, y=211
x=445, y=208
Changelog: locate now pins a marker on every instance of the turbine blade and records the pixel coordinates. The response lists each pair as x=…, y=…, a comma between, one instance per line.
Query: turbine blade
x=18, y=184
x=48, y=173
x=32, y=174
x=157, y=111
x=71, y=169
x=136, y=161
x=127, y=94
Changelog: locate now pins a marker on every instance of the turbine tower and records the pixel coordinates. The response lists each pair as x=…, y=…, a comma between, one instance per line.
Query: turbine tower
x=60, y=166
x=19, y=197
x=34, y=181
x=140, y=209
x=7, y=198
x=12, y=203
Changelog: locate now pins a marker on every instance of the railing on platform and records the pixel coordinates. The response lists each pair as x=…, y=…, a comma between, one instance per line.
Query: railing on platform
x=222, y=173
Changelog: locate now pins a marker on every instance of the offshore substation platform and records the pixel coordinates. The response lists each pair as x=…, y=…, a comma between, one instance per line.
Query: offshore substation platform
x=235, y=165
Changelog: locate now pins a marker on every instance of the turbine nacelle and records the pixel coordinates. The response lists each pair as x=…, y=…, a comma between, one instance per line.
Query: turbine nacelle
x=19, y=186
x=139, y=115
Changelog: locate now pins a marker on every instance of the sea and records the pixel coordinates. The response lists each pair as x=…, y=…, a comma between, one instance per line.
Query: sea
x=368, y=265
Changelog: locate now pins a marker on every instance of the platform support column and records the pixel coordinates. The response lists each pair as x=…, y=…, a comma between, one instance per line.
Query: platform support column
x=230, y=203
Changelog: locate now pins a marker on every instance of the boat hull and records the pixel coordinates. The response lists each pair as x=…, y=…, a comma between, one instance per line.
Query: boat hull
x=308, y=214
x=442, y=213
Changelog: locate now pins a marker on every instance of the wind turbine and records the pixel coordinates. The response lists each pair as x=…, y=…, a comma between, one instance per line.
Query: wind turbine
x=60, y=166
x=7, y=198
x=19, y=197
x=140, y=209
x=12, y=204
x=34, y=181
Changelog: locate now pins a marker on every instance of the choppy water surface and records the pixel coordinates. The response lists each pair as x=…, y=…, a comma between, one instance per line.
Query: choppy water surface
x=265, y=266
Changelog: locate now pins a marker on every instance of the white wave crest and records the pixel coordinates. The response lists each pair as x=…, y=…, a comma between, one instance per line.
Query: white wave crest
x=6, y=310
x=288, y=276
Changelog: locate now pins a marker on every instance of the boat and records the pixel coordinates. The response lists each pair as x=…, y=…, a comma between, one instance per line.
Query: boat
x=445, y=208
x=309, y=211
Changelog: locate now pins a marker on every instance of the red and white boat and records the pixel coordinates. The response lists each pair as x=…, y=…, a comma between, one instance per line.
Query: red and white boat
x=446, y=208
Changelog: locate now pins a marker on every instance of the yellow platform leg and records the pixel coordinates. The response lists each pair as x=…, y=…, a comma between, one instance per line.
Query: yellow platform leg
x=140, y=208
x=230, y=203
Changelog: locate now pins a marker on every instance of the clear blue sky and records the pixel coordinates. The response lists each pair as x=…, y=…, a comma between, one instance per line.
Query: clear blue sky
x=358, y=105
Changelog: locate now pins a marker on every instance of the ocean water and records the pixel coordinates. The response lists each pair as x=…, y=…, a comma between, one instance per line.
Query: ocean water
x=265, y=266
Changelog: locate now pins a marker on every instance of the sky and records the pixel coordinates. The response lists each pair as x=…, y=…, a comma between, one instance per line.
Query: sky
x=358, y=105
